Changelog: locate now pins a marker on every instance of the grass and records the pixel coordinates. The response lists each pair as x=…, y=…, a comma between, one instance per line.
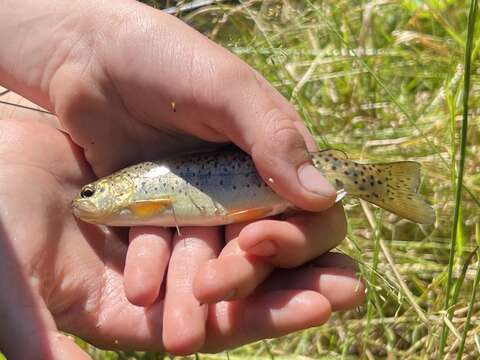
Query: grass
x=382, y=80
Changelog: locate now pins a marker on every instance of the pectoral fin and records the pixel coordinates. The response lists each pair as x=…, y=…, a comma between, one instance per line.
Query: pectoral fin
x=147, y=208
x=248, y=214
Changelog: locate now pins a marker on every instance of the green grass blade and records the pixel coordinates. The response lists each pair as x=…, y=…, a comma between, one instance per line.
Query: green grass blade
x=472, y=15
x=470, y=310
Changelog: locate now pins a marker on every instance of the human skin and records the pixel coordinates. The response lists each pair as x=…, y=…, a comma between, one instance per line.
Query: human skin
x=110, y=72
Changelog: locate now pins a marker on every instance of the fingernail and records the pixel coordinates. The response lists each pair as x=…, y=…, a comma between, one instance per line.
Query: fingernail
x=313, y=181
x=264, y=248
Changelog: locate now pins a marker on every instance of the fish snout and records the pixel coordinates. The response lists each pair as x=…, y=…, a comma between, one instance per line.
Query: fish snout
x=85, y=209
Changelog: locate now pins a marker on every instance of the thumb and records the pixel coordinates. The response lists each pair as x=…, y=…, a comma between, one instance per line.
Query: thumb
x=264, y=125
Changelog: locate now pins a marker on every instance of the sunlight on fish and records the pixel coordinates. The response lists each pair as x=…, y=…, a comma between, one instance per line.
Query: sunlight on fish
x=223, y=187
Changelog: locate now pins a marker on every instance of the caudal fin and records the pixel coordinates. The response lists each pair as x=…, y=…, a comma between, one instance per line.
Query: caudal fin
x=400, y=192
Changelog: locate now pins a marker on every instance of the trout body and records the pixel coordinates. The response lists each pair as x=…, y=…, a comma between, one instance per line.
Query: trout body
x=223, y=187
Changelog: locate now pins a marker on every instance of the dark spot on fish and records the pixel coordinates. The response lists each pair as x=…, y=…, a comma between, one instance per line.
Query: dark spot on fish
x=327, y=160
x=362, y=188
x=334, y=168
x=248, y=185
x=376, y=195
x=345, y=163
x=391, y=199
x=379, y=182
x=371, y=177
x=372, y=183
x=355, y=174
x=362, y=173
x=364, y=180
x=355, y=164
x=346, y=173
x=338, y=183
x=221, y=182
x=234, y=187
x=356, y=182
x=335, y=159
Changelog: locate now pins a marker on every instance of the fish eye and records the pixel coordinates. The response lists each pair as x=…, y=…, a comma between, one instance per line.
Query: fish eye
x=87, y=192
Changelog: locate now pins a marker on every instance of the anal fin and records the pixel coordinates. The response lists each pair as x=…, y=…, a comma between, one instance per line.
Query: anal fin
x=248, y=214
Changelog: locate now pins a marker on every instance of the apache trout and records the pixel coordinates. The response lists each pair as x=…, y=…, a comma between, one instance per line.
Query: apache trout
x=223, y=187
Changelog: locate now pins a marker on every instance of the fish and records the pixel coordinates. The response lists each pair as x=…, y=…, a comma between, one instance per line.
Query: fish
x=223, y=187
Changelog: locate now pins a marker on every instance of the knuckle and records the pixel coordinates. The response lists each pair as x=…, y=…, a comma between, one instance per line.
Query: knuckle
x=280, y=140
x=282, y=134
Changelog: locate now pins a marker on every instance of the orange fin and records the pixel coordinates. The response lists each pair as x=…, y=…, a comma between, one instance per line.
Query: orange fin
x=248, y=214
x=147, y=208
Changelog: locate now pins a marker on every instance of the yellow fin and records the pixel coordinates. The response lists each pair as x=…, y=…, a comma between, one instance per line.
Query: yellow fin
x=400, y=192
x=248, y=214
x=147, y=208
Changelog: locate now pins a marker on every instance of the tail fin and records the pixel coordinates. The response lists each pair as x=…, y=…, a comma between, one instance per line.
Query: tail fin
x=400, y=192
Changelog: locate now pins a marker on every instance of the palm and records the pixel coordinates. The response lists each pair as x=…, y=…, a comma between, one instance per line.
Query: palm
x=78, y=266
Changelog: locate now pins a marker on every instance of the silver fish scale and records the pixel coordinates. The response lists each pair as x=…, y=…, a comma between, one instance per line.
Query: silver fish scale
x=203, y=187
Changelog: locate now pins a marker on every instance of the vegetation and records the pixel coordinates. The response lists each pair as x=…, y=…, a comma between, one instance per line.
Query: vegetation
x=382, y=80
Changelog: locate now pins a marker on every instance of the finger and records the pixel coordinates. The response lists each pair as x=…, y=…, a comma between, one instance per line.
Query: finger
x=288, y=109
x=145, y=264
x=269, y=133
x=233, y=275
x=300, y=238
x=264, y=316
x=337, y=281
x=184, y=317
x=65, y=348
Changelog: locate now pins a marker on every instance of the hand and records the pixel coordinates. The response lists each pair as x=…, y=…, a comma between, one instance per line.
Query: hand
x=128, y=91
x=62, y=274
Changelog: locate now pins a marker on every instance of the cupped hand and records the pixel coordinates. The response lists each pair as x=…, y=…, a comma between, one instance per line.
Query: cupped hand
x=61, y=274
x=130, y=83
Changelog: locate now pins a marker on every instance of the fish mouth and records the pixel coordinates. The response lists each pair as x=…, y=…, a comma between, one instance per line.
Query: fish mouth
x=86, y=210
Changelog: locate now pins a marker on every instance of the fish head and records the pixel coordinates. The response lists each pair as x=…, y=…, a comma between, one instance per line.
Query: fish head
x=99, y=200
